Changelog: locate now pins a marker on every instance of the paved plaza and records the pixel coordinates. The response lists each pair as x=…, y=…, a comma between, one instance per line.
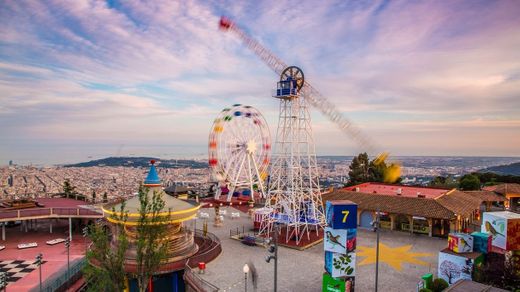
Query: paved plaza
x=403, y=259
x=54, y=256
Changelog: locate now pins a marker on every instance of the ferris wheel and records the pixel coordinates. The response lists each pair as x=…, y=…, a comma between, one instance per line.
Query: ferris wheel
x=239, y=151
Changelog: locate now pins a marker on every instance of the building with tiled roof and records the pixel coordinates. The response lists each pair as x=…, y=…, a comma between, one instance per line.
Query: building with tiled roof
x=431, y=211
x=510, y=191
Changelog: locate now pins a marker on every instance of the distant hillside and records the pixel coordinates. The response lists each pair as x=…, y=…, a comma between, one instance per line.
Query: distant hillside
x=509, y=169
x=141, y=162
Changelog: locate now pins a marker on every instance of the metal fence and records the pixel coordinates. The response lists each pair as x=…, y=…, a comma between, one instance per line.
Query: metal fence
x=58, y=281
x=195, y=282
x=13, y=215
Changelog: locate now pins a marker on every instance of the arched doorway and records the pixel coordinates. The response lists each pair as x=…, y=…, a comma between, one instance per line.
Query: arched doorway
x=365, y=220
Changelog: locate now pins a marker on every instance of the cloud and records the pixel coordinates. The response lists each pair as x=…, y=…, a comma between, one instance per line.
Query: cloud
x=127, y=69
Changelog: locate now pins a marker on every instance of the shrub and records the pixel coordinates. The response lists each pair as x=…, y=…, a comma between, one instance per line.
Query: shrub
x=439, y=285
x=425, y=290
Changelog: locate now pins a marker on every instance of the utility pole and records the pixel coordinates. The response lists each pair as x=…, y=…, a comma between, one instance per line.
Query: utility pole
x=245, y=269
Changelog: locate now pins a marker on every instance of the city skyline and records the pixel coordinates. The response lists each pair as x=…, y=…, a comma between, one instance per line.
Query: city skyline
x=92, y=78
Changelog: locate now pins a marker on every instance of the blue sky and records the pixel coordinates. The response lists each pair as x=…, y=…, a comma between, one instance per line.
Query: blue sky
x=94, y=78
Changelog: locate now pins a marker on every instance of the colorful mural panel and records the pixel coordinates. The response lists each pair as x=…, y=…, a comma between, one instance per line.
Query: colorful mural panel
x=340, y=265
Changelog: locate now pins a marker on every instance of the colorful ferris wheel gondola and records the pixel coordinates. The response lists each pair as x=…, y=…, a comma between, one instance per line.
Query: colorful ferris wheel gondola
x=239, y=151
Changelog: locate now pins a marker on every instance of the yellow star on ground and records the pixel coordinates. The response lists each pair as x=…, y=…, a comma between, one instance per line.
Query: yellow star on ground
x=393, y=256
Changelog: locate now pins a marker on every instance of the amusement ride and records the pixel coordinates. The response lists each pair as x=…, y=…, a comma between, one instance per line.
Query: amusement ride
x=293, y=191
x=239, y=152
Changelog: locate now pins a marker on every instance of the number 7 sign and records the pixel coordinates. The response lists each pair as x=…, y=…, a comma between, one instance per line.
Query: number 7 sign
x=341, y=214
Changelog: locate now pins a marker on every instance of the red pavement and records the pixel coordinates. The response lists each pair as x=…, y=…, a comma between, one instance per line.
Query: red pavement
x=55, y=256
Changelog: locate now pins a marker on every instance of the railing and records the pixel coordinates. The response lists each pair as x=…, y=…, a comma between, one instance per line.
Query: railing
x=13, y=215
x=209, y=254
x=385, y=224
x=59, y=279
x=416, y=228
x=195, y=282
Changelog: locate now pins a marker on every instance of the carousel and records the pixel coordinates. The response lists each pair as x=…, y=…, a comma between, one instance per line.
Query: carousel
x=178, y=215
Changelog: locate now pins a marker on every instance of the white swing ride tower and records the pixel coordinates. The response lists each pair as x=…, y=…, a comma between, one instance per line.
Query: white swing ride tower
x=293, y=196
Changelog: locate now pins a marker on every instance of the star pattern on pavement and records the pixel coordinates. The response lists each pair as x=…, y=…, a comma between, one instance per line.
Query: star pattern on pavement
x=392, y=256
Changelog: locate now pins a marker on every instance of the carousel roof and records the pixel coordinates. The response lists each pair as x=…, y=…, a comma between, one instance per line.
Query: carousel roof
x=178, y=210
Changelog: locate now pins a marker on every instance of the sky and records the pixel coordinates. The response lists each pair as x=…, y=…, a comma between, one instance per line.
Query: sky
x=88, y=79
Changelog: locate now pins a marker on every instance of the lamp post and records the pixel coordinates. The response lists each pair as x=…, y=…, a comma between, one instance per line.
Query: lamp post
x=245, y=269
x=39, y=259
x=376, y=225
x=67, y=245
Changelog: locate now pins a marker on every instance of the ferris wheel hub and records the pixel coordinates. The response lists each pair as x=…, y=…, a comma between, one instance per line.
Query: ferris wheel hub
x=251, y=147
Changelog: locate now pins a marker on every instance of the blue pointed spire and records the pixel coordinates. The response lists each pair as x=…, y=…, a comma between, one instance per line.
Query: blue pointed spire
x=153, y=177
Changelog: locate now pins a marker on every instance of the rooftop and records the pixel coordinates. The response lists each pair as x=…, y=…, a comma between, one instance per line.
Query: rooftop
x=422, y=207
x=445, y=206
x=504, y=189
x=177, y=210
x=391, y=190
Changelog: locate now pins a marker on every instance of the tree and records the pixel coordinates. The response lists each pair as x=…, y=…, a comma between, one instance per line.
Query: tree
x=93, y=196
x=359, y=169
x=105, y=197
x=439, y=285
x=362, y=170
x=444, y=182
x=450, y=270
x=68, y=189
x=105, y=271
x=376, y=171
x=469, y=182
x=151, y=229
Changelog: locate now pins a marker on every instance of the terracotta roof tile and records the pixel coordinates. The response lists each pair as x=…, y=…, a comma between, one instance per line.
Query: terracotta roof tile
x=459, y=202
x=505, y=189
x=487, y=196
x=423, y=207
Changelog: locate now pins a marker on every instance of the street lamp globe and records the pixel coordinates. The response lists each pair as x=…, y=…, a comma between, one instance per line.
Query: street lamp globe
x=245, y=269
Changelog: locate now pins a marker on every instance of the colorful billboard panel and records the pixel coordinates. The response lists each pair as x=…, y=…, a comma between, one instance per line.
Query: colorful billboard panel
x=335, y=240
x=481, y=242
x=460, y=242
x=331, y=284
x=504, y=228
x=351, y=239
x=453, y=266
x=340, y=265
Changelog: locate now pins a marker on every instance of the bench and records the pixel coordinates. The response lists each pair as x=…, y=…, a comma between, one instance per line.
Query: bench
x=235, y=215
x=222, y=212
x=55, y=241
x=27, y=245
x=204, y=215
